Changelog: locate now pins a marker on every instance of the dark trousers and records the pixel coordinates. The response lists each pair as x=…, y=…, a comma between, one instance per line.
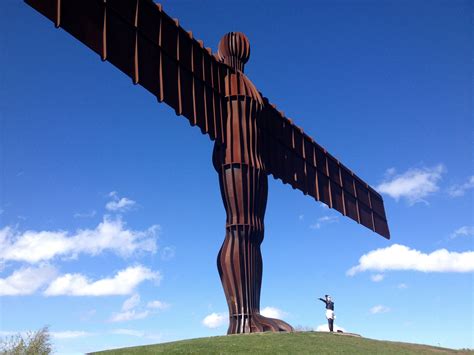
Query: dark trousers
x=330, y=323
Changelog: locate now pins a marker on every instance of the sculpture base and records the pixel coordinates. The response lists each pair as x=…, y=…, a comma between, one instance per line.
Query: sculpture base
x=256, y=323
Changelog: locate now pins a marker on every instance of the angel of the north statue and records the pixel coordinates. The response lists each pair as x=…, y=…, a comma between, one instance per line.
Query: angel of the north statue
x=252, y=138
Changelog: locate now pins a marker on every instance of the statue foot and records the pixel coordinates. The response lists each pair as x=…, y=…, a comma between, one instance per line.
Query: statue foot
x=257, y=323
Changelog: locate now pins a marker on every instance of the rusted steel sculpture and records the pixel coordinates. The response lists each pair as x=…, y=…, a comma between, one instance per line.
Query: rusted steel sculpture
x=252, y=138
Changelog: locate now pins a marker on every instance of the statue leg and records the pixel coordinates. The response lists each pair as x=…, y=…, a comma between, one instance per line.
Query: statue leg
x=244, y=192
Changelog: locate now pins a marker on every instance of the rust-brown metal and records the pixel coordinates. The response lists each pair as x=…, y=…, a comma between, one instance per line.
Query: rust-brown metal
x=252, y=138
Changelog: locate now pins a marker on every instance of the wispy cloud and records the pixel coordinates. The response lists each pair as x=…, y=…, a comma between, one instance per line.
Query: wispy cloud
x=402, y=286
x=89, y=214
x=215, y=320
x=157, y=305
x=70, y=334
x=377, y=277
x=324, y=220
x=273, y=312
x=400, y=257
x=131, y=302
x=123, y=283
x=414, y=185
x=119, y=204
x=27, y=280
x=379, y=309
x=131, y=309
x=460, y=189
x=464, y=231
x=110, y=234
x=129, y=315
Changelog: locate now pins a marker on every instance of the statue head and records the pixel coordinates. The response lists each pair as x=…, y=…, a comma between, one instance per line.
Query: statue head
x=234, y=50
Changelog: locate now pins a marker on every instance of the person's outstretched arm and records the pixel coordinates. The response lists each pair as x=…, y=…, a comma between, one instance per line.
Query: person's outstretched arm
x=321, y=299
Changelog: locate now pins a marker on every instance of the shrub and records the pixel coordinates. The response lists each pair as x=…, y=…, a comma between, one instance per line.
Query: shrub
x=33, y=343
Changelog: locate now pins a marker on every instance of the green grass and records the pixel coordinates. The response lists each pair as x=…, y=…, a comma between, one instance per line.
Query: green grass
x=285, y=343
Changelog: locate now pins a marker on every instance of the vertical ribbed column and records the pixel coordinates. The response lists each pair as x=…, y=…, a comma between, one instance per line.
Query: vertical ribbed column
x=244, y=189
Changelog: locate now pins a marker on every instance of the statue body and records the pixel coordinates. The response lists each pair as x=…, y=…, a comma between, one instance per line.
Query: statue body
x=244, y=188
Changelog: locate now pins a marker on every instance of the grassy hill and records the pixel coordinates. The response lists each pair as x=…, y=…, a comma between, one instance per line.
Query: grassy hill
x=284, y=343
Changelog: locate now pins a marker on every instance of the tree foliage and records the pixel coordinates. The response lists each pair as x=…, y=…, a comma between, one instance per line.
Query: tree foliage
x=33, y=343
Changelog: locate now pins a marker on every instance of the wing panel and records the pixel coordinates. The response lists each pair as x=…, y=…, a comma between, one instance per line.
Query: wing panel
x=147, y=45
x=186, y=90
x=311, y=181
x=295, y=158
x=347, y=180
x=333, y=168
x=362, y=191
x=126, y=8
x=323, y=187
x=149, y=21
x=83, y=21
x=149, y=64
x=120, y=40
x=377, y=204
x=381, y=226
x=365, y=216
x=351, y=207
x=47, y=8
x=336, y=197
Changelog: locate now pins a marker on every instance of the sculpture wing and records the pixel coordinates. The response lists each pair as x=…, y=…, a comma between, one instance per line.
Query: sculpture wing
x=141, y=40
x=295, y=158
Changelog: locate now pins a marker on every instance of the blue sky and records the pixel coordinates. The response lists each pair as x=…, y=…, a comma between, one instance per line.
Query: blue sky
x=110, y=211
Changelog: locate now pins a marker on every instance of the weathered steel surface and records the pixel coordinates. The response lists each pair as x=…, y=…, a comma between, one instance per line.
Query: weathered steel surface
x=253, y=139
x=244, y=189
x=295, y=158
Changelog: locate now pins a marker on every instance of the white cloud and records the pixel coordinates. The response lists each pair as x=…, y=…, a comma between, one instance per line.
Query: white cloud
x=215, y=320
x=157, y=305
x=131, y=302
x=377, y=277
x=324, y=220
x=325, y=328
x=465, y=231
x=70, y=334
x=272, y=312
x=26, y=281
x=123, y=283
x=400, y=257
x=129, y=315
x=110, y=234
x=402, y=286
x=460, y=190
x=119, y=204
x=129, y=311
x=413, y=185
x=89, y=214
x=379, y=309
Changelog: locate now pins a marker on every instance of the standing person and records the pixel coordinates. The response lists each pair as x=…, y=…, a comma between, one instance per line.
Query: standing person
x=329, y=310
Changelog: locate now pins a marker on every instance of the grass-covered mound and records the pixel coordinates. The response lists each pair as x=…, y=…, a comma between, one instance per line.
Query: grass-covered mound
x=284, y=343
